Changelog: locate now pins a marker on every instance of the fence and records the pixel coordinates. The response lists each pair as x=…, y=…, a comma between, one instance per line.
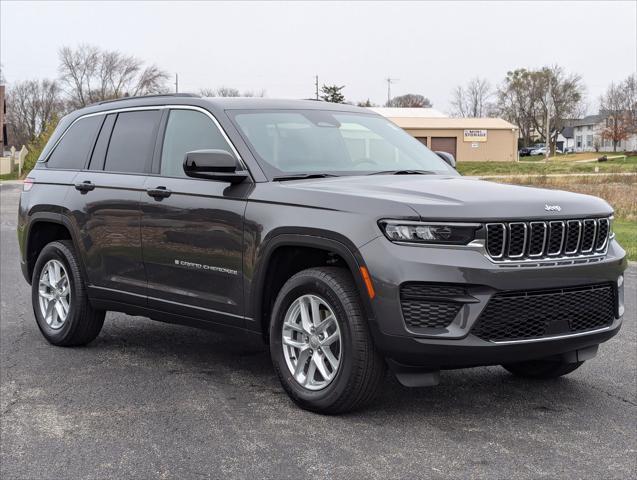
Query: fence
x=13, y=162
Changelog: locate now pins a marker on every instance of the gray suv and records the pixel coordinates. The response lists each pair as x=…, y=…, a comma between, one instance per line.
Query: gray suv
x=324, y=229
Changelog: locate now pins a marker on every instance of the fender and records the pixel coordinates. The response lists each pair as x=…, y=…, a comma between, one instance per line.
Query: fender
x=60, y=219
x=304, y=237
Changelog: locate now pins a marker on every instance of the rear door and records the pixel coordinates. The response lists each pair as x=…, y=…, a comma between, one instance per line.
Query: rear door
x=192, y=229
x=107, y=199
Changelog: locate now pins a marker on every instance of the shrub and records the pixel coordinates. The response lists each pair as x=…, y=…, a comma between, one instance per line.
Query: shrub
x=36, y=146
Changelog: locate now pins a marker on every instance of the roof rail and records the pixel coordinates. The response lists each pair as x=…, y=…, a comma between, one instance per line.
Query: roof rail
x=149, y=96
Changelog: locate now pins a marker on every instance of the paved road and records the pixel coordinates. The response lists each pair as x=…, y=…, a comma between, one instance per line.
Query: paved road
x=150, y=400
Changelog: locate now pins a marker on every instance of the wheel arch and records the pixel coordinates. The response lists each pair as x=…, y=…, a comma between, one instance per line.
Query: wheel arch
x=44, y=228
x=263, y=292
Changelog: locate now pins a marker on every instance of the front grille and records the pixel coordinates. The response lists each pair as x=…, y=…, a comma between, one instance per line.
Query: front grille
x=516, y=241
x=430, y=305
x=518, y=315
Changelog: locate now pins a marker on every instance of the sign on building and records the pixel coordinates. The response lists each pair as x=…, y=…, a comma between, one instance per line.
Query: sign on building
x=475, y=135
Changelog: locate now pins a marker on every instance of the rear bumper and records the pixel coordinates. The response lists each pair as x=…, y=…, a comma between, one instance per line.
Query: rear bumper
x=455, y=346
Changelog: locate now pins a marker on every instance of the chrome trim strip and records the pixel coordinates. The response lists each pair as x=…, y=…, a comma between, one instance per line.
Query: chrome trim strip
x=154, y=107
x=504, y=239
x=607, y=222
x=588, y=220
x=559, y=250
x=555, y=337
x=579, y=235
x=543, y=224
x=524, y=242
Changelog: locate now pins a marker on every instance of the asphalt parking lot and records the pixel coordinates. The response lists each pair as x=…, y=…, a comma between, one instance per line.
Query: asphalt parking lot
x=151, y=400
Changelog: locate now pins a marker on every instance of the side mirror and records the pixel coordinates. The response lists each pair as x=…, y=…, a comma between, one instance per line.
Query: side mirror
x=213, y=165
x=447, y=157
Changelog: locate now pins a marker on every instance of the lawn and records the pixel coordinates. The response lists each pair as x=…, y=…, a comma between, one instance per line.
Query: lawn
x=555, y=165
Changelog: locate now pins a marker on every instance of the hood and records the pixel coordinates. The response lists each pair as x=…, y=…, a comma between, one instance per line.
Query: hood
x=460, y=198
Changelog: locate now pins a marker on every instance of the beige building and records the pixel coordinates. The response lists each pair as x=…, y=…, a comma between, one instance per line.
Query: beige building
x=467, y=139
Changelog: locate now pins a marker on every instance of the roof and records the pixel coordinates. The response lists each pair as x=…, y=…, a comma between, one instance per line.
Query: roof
x=588, y=120
x=408, y=112
x=453, y=123
x=567, y=132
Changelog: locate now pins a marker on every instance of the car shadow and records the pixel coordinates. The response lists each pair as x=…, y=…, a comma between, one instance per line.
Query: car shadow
x=483, y=391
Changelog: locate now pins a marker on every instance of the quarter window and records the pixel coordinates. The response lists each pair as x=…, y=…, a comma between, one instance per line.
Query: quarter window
x=188, y=130
x=132, y=142
x=75, y=145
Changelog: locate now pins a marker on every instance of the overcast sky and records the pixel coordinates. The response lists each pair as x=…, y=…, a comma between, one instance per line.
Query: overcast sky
x=429, y=47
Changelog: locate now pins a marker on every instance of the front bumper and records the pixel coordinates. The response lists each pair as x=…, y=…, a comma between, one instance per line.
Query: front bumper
x=455, y=346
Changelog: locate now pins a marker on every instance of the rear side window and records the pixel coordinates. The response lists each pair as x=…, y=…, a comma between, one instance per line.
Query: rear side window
x=188, y=130
x=99, y=151
x=132, y=142
x=76, y=144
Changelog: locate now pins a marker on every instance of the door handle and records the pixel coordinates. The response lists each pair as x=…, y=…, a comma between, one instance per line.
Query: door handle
x=85, y=186
x=159, y=192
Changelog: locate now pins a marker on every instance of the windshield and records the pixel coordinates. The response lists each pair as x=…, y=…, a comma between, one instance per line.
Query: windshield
x=342, y=143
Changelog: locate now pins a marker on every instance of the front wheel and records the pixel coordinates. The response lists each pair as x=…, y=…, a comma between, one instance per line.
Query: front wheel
x=320, y=343
x=542, y=368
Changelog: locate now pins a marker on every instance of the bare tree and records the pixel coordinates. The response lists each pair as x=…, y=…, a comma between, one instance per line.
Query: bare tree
x=473, y=100
x=410, y=100
x=90, y=75
x=524, y=99
x=229, y=92
x=31, y=106
x=630, y=99
x=615, y=106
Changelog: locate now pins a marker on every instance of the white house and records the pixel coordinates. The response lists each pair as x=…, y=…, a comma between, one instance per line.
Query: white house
x=587, y=133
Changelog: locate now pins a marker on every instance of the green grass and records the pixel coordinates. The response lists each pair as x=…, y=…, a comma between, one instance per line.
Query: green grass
x=626, y=232
x=554, y=166
x=9, y=176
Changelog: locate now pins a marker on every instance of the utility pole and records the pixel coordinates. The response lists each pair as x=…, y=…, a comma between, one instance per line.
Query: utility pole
x=316, y=85
x=389, y=81
x=176, y=83
x=548, y=123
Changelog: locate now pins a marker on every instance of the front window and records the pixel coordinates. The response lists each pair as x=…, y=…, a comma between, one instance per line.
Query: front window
x=342, y=143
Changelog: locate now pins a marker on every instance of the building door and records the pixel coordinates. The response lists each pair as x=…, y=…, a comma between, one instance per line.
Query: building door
x=444, y=144
x=422, y=140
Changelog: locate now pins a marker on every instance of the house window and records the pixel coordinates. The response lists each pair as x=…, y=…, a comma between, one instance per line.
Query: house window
x=578, y=141
x=589, y=141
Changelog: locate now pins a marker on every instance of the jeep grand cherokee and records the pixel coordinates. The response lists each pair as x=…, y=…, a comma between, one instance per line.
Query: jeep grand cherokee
x=343, y=242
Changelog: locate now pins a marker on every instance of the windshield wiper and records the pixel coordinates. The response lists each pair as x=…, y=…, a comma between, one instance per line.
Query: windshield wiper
x=302, y=176
x=404, y=172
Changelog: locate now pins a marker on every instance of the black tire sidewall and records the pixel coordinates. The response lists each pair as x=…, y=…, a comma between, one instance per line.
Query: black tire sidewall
x=59, y=252
x=312, y=399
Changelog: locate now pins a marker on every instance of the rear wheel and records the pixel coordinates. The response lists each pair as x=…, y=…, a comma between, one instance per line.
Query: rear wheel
x=542, y=368
x=60, y=303
x=320, y=343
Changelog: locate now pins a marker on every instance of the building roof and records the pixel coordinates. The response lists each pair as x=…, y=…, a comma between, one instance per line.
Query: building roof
x=453, y=123
x=588, y=120
x=567, y=132
x=391, y=112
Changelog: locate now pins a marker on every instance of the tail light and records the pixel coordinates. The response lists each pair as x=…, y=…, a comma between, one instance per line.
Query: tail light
x=27, y=184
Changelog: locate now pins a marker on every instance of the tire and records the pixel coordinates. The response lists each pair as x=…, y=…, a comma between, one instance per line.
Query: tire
x=82, y=322
x=542, y=369
x=360, y=369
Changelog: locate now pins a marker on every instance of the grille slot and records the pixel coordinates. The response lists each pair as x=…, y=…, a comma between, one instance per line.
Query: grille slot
x=517, y=241
x=429, y=305
x=519, y=315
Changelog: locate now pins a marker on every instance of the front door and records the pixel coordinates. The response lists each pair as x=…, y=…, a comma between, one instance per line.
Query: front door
x=192, y=229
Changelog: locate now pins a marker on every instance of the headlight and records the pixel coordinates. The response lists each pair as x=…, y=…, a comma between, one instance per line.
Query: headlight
x=429, y=232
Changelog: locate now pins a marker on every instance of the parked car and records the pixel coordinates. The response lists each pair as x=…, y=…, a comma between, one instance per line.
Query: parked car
x=542, y=151
x=526, y=151
x=324, y=229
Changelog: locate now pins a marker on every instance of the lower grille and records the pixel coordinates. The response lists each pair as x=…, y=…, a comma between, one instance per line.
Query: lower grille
x=430, y=306
x=518, y=315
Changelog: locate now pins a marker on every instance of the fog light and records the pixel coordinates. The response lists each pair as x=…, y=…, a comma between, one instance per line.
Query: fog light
x=620, y=281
